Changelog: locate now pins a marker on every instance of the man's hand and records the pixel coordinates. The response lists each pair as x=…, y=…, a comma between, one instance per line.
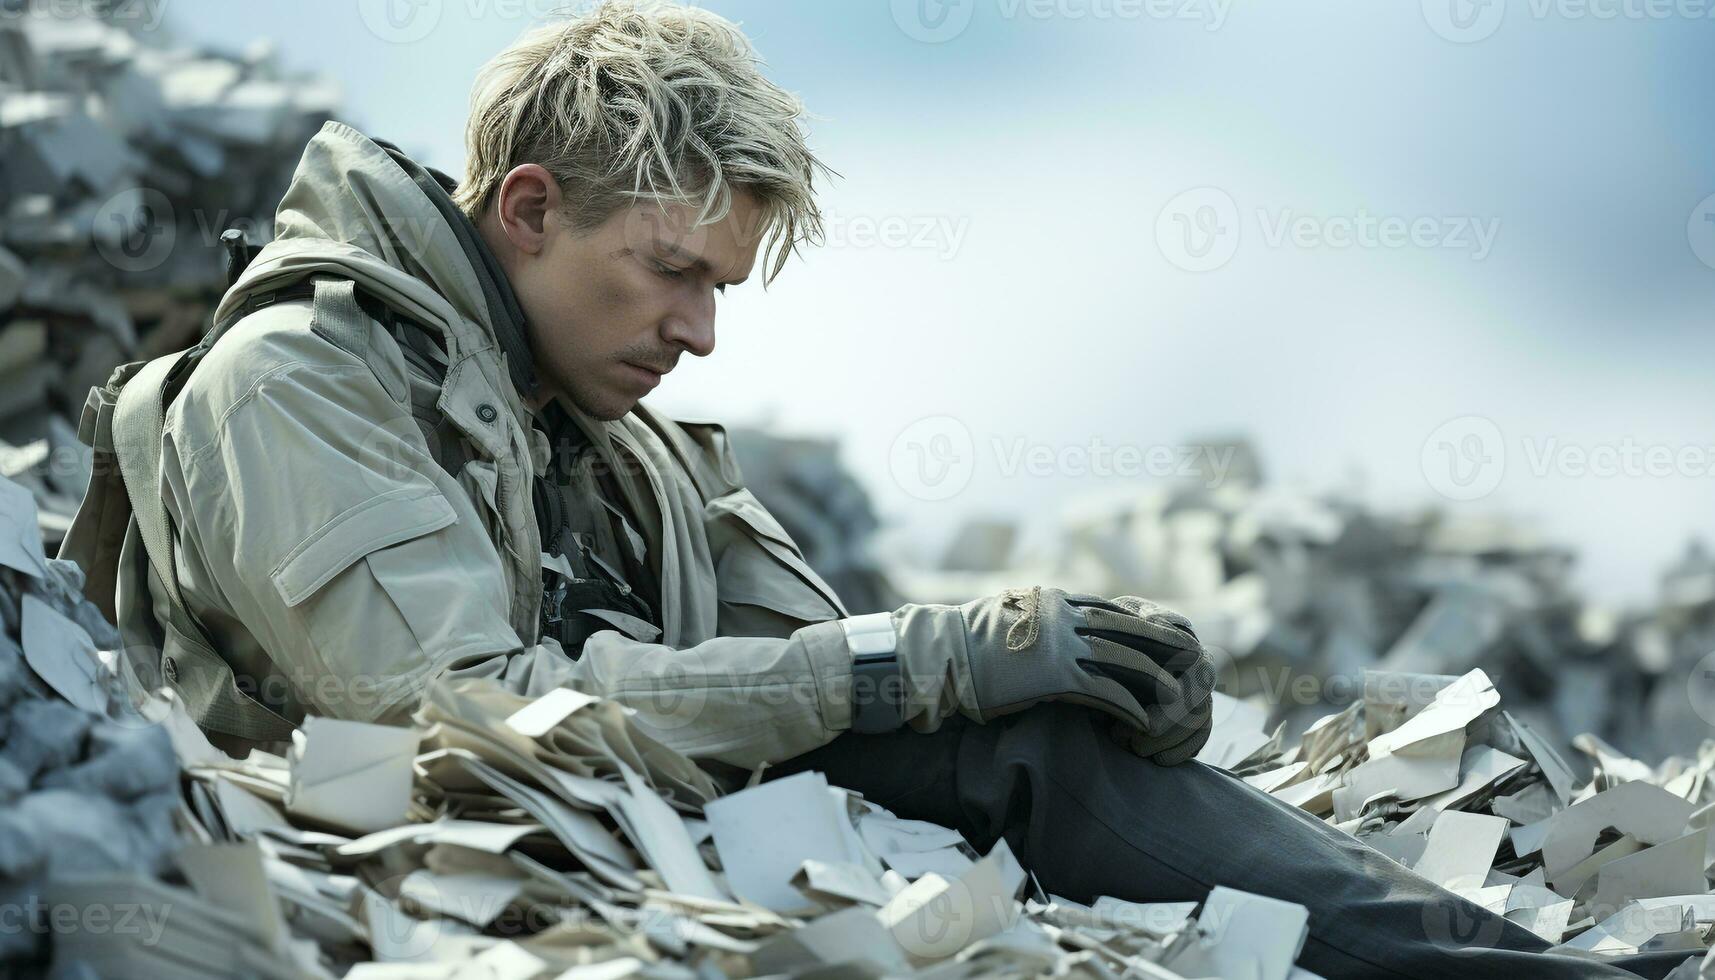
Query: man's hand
x=1128, y=657
x=1178, y=724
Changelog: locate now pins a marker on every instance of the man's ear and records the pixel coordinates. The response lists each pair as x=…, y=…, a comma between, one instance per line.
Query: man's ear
x=528, y=197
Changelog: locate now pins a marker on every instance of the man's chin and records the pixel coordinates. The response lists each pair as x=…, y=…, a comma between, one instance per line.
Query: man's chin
x=612, y=415
x=603, y=406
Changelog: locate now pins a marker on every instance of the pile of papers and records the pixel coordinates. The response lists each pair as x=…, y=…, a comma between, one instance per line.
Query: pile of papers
x=1432, y=772
x=501, y=836
x=550, y=838
x=507, y=837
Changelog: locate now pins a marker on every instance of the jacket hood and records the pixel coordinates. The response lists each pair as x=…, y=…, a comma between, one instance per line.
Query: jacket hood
x=360, y=208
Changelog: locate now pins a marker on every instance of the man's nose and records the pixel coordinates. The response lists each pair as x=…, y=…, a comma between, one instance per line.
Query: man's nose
x=694, y=333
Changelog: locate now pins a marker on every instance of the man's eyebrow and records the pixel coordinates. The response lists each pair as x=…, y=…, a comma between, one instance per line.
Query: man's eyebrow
x=697, y=262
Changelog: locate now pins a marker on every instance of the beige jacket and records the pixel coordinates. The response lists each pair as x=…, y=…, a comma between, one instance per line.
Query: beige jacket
x=338, y=565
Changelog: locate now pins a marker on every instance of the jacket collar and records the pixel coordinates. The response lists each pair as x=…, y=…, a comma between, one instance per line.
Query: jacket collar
x=356, y=209
x=504, y=314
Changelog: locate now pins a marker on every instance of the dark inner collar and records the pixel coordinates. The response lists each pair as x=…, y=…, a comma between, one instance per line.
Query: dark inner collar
x=503, y=309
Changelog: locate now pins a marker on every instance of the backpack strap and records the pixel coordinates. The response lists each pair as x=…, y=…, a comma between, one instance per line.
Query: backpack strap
x=131, y=423
x=188, y=659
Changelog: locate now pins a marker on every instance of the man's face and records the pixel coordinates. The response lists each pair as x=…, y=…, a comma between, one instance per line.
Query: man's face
x=612, y=309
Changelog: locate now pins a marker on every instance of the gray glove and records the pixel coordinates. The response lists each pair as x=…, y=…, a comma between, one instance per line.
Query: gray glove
x=1178, y=726
x=1127, y=657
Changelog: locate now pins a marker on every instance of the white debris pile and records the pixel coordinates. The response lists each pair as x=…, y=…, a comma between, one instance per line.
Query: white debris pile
x=1431, y=771
x=85, y=789
x=123, y=157
x=550, y=837
x=1291, y=588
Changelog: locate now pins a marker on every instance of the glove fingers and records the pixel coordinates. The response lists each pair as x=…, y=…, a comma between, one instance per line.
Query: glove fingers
x=1138, y=649
x=1168, y=744
x=1185, y=750
x=1154, y=632
x=1194, y=710
x=1150, y=609
x=1177, y=695
x=1198, y=679
x=1084, y=601
x=1152, y=683
x=1149, y=746
x=1182, y=715
x=1154, y=612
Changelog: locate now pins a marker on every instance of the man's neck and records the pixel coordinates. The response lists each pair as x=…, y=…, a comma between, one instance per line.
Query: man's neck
x=488, y=228
x=494, y=236
x=539, y=400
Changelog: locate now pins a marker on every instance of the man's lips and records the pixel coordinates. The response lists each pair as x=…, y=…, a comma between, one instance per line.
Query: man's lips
x=649, y=376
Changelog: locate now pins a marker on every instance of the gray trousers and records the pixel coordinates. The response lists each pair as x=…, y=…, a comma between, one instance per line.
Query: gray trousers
x=1091, y=819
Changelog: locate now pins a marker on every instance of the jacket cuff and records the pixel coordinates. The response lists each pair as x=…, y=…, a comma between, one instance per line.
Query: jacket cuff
x=831, y=666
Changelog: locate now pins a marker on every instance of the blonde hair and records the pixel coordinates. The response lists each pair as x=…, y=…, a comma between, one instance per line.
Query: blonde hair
x=643, y=101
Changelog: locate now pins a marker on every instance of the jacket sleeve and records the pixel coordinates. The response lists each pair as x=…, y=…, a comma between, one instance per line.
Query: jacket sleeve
x=313, y=514
x=741, y=700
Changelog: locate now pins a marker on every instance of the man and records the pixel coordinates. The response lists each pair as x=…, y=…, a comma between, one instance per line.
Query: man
x=413, y=446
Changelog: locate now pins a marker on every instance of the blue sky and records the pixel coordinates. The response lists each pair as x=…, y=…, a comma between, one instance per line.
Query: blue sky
x=1537, y=269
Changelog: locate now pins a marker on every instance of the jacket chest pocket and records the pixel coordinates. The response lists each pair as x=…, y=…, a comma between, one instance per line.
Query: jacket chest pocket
x=764, y=586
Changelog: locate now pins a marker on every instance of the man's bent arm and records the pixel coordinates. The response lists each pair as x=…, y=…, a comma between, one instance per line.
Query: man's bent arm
x=314, y=525
x=741, y=700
